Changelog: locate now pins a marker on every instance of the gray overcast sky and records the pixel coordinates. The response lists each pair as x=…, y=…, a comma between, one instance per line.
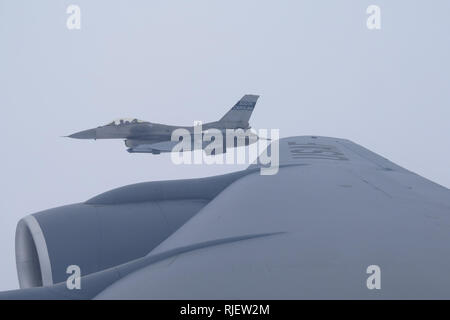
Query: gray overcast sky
x=317, y=67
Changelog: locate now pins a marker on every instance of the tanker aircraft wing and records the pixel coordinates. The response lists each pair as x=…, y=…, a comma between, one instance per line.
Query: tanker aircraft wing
x=333, y=214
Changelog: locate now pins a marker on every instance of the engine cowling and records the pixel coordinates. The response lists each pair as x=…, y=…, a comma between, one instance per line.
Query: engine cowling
x=108, y=230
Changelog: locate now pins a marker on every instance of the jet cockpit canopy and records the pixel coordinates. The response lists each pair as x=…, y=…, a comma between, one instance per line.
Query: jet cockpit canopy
x=122, y=121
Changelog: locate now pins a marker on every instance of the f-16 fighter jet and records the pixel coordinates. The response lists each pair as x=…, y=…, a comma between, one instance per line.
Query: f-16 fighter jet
x=147, y=137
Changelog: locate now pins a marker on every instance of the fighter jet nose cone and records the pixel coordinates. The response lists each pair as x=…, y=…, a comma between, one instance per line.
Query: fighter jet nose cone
x=86, y=134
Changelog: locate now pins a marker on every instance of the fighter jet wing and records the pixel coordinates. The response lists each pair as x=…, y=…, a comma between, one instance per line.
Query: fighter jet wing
x=313, y=230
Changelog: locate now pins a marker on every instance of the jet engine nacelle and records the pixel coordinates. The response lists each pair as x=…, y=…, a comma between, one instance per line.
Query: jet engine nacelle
x=108, y=230
x=93, y=237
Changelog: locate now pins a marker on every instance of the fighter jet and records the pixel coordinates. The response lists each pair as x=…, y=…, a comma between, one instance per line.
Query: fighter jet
x=147, y=137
